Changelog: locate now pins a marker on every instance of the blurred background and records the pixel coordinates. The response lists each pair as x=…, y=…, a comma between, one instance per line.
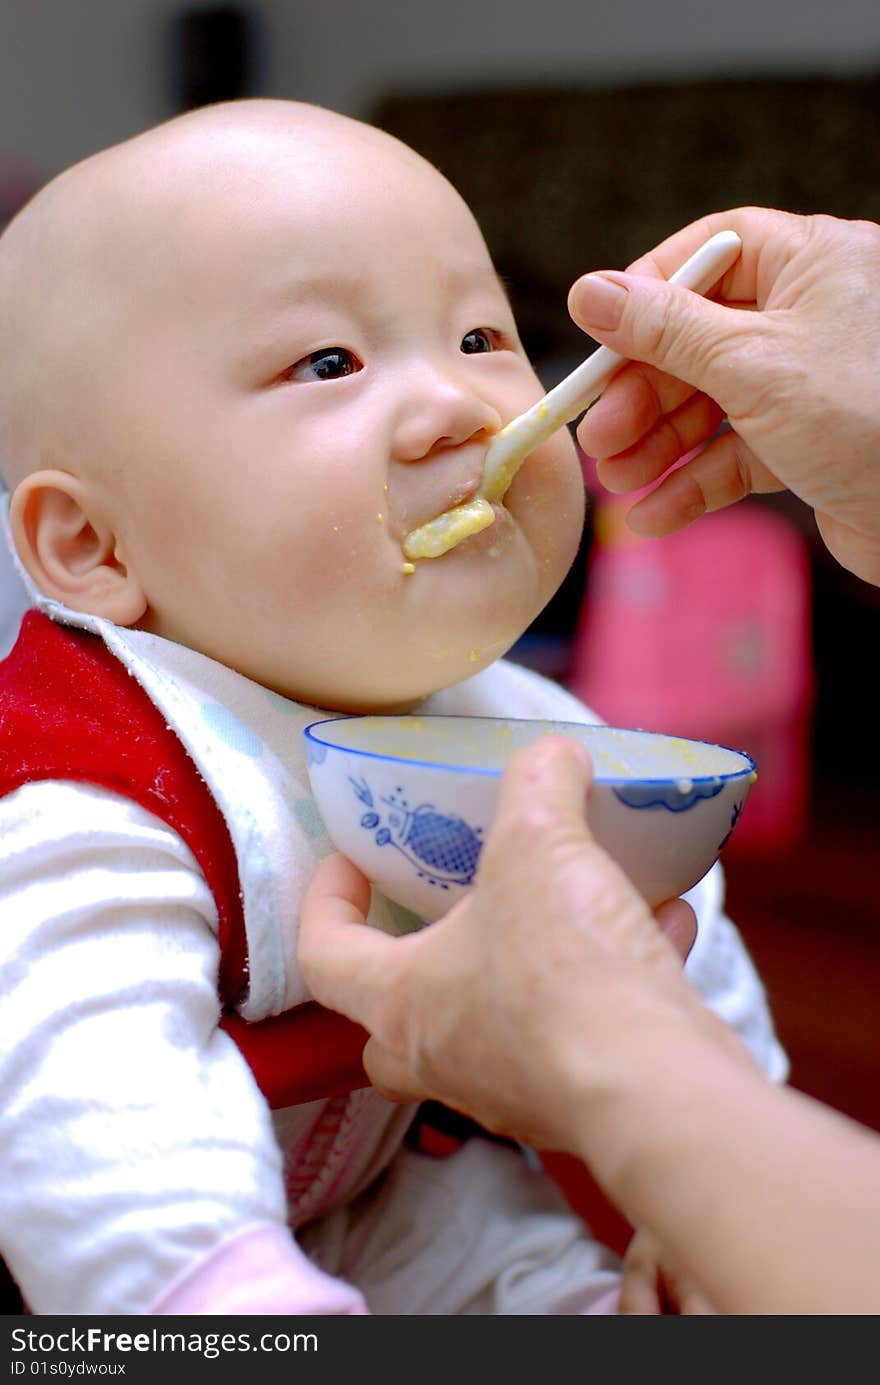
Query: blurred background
x=583, y=131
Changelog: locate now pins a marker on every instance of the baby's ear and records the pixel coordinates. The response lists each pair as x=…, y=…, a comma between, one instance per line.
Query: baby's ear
x=70, y=551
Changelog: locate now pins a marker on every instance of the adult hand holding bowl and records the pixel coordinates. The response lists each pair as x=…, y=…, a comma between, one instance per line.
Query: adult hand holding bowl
x=410, y=799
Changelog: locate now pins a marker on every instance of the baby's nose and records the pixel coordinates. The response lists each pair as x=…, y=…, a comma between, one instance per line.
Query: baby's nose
x=441, y=411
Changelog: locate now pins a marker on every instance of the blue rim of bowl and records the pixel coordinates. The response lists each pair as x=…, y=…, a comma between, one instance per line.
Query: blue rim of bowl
x=728, y=777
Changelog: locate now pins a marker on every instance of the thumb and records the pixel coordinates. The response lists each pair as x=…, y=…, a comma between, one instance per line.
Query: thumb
x=550, y=778
x=392, y=1077
x=670, y=327
x=678, y=921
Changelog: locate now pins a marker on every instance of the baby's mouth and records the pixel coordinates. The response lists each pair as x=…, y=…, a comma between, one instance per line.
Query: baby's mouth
x=438, y=535
x=405, y=517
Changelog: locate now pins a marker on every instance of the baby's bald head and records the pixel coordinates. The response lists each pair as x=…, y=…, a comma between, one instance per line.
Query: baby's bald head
x=104, y=257
x=71, y=270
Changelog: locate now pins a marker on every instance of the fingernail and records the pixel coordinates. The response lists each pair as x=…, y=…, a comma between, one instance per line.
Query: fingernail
x=599, y=301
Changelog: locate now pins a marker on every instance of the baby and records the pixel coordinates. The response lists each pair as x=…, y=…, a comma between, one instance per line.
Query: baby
x=243, y=354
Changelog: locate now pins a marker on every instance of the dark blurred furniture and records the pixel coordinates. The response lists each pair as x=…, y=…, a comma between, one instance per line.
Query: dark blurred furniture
x=567, y=180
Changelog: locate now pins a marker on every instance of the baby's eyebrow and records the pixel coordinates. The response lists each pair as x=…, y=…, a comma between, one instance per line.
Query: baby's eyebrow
x=506, y=287
x=285, y=296
x=320, y=287
x=455, y=279
x=345, y=286
x=279, y=304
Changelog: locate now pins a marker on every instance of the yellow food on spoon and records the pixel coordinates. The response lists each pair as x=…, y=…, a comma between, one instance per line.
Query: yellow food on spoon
x=449, y=529
x=507, y=452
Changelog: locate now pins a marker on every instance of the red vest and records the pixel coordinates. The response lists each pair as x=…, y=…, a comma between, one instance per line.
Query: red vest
x=69, y=709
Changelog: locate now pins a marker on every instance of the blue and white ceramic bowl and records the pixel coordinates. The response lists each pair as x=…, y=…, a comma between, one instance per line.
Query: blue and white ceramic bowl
x=410, y=799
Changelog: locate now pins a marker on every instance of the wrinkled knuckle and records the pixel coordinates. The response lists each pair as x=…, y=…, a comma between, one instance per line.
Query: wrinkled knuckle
x=669, y=443
x=724, y=359
x=804, y=232
x=746, y=367
x=650, y=327
x=829, y=237
x=862, y=249
x=388, y=1049
x=768, y=366
x=673, y=337
x=741, y=484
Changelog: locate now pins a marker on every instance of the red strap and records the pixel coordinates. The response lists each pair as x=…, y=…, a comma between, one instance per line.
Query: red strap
x=301, y=1055
x=69, y=709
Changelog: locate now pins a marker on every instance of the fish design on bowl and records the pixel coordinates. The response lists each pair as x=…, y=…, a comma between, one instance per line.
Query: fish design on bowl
x=443, y=848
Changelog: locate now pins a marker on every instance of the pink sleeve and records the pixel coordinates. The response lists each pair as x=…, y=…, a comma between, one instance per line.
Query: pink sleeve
x=606, y=1305
x=260, y=1270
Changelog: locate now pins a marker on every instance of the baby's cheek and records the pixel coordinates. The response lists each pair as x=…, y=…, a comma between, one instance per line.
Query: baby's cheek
x=547, y=499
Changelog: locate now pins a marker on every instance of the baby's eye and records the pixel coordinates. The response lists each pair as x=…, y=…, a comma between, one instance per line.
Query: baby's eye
x=330, y=363
x=479, y=340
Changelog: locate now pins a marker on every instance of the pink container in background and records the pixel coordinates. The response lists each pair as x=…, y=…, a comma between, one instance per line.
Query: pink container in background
x=707, y=633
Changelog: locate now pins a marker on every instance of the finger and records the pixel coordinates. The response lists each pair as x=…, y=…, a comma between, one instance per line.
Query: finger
x=678, y=331
x=639, y=1298
x=336, y=953
x=672, y=438
x=769, y=238
x=725, y=471
x=552, y=776
x=677, y=920
x=681, y=1296
x=665, y=258
x=640, y=1289
x=692, y=1303
x=636, y=399
x=392, y=1078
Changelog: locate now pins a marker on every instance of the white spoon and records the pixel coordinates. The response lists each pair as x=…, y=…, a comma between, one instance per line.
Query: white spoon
x=510, y=447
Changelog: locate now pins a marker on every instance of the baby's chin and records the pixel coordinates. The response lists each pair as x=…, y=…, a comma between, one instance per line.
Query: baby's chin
x=403, y=686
